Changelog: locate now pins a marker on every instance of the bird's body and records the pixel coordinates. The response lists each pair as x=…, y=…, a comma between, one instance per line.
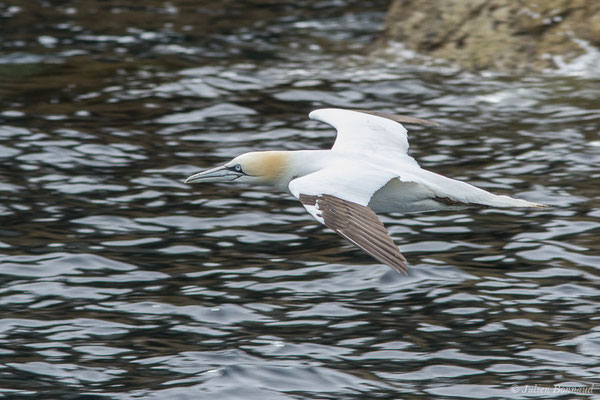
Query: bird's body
x=367, y=170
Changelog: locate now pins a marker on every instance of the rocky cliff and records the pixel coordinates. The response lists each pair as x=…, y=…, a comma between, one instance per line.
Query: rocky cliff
x=506, y=35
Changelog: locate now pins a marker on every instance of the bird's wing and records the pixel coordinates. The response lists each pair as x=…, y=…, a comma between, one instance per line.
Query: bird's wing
x=336, y=201
x=367, y=131
x=403, y=119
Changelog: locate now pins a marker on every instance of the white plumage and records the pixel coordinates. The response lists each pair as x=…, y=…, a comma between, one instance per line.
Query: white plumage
x=367, y=170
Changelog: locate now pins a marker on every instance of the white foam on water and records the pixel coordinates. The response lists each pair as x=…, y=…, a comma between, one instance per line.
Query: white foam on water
x=586, y=65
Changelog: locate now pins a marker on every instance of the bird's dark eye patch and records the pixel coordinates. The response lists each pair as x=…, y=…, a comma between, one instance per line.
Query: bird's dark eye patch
x=236, y=168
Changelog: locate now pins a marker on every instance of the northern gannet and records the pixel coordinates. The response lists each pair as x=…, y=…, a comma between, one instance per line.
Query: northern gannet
x=368, y=170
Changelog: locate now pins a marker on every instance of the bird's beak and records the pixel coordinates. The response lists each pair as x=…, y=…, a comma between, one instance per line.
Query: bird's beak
x=218, y=174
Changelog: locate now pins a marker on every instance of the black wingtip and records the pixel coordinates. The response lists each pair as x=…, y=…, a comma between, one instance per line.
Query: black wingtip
x=360, y=225
x=403, y=119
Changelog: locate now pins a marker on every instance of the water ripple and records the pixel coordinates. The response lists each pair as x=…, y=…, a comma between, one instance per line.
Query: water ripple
x=120, y=281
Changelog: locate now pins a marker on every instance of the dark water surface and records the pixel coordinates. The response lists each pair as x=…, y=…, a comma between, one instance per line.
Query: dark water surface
x=119, y=281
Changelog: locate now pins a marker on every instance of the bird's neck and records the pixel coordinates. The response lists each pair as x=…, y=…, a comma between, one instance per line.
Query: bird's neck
x=300, y=163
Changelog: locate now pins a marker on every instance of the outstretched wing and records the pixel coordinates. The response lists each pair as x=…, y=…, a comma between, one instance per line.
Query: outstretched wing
x=383, y=137
x=402, y=119
x=367, y=131
x=359, y=224
x=345, y=211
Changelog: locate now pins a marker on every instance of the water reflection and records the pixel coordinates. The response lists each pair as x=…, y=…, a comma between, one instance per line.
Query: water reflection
x=119, y=281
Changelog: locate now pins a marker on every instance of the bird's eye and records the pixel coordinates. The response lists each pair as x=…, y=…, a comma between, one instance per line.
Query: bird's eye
x=238, y=168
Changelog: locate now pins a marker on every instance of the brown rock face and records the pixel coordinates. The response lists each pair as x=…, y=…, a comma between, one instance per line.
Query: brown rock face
x=505, y=35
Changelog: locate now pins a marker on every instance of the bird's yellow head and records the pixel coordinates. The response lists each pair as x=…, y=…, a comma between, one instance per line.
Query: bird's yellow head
x=257, y=167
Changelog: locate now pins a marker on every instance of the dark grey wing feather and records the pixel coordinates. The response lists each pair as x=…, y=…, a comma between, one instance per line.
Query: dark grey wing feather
x=403, y=119
x=360, y=225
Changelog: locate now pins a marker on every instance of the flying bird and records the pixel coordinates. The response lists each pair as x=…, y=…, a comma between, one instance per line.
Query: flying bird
x=367, y=171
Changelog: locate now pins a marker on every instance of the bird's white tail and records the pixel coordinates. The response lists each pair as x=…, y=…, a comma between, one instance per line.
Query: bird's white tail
x=503, y=201
x=462, y=192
